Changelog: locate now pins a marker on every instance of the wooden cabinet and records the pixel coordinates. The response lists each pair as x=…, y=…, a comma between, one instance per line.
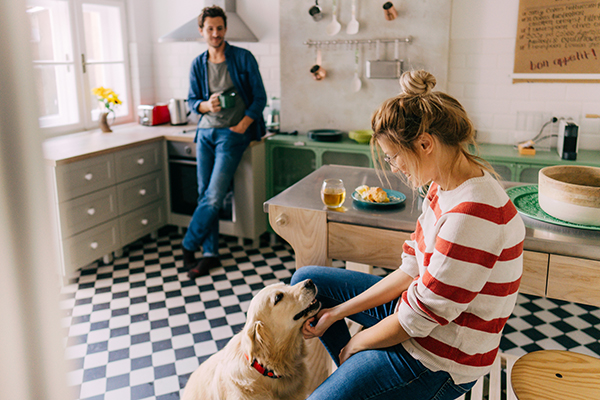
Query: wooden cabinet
x=574, y=279
x=107, y=201
x=535, y=273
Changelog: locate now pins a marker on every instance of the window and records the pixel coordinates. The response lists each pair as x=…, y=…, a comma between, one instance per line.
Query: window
x=78, y=45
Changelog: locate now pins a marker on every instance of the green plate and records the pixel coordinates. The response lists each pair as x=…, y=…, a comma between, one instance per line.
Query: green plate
x=525, y=198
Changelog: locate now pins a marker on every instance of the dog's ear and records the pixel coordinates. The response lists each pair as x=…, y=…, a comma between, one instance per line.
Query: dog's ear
x=259, y=339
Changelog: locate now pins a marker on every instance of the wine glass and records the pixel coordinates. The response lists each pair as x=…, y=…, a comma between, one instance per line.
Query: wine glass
x=333, y=193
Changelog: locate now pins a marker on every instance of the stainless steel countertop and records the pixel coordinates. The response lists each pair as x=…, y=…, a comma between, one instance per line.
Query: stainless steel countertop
x=305, y=194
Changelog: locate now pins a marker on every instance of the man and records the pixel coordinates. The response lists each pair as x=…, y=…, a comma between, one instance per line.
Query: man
x=223, y=134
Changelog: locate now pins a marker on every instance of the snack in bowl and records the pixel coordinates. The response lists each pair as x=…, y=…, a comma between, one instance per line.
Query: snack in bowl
x=373, y=194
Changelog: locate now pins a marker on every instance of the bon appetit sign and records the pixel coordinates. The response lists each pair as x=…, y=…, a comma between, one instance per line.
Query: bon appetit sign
x=557, y=37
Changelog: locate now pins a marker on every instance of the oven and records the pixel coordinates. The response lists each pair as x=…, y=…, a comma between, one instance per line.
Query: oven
x=241, y=214
x=183, y=183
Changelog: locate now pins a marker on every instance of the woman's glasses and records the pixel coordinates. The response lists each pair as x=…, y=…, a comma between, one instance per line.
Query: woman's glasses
x=389, y=160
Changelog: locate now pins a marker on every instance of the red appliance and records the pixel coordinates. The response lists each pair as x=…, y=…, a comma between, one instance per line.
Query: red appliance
x=154, y=115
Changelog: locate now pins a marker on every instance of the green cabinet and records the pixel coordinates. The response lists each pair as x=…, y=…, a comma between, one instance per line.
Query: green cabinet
x=512, y=166
x=291, y=158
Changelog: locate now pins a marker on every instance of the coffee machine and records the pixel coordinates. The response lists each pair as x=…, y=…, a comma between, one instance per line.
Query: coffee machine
x=568, y=140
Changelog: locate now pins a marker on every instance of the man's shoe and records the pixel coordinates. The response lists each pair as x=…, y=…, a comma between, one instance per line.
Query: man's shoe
x=189, y=259
x=203, y=267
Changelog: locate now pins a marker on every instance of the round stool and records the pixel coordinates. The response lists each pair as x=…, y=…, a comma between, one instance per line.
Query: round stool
x=556, y=375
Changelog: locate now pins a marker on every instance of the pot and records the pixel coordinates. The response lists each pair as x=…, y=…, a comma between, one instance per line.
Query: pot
x=179, y=112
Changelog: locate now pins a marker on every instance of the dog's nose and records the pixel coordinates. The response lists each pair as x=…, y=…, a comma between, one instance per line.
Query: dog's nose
x=309, y=284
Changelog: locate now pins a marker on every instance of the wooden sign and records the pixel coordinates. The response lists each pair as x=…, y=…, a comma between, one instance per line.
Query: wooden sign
x=557, y=37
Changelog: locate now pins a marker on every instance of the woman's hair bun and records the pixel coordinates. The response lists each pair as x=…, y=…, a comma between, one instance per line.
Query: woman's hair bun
x=417, y=83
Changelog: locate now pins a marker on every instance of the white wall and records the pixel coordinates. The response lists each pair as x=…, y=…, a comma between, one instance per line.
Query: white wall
x=482, y=45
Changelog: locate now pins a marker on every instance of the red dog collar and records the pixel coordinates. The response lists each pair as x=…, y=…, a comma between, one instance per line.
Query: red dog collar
x=263, y=371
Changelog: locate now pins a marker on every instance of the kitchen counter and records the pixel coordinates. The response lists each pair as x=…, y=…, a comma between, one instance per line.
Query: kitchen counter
x=78, y=146
x=540, y=236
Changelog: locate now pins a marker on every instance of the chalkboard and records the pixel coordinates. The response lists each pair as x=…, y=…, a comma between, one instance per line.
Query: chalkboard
x=557, y=37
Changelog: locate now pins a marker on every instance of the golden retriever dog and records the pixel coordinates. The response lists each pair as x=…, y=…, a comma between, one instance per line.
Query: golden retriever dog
x=266, y=359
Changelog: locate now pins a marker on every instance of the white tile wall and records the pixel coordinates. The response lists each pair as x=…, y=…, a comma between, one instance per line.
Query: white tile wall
x=480, y=76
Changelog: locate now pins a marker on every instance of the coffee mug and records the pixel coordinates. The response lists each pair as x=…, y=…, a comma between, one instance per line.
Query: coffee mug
x=227, y=100
x=318, y=72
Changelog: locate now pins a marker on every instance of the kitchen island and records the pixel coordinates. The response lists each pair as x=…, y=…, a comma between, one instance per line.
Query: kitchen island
x=559, y=262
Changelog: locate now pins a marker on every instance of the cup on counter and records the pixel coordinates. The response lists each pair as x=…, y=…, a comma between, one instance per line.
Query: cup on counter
x=227, y=99
x=318, y=72
x=333, y=193
x=389, y=11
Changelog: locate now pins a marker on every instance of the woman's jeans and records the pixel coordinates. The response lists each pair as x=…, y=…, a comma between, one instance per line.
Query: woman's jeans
x=219, y=151
x=389, y=373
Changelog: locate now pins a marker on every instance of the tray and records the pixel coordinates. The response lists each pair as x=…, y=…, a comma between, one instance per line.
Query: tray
x=396, y=198
x=525, y=199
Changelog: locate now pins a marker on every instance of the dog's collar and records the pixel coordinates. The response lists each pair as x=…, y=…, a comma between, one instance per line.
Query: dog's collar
x=263, y=371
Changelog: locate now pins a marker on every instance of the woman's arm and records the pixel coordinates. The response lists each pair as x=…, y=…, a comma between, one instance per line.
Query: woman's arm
x=384, y=334
x=384, y=291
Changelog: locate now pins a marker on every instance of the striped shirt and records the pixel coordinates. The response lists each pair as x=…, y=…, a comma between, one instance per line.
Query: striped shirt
x=466, y=258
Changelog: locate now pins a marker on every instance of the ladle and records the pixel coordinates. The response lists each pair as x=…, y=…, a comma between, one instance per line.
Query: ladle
x=334, y=26
x=352, y=28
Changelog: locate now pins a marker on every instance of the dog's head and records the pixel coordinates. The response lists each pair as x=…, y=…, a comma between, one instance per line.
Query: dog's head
x=275, y=318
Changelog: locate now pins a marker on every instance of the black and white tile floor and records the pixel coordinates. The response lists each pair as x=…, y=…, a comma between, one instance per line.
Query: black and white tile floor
x=137, y=328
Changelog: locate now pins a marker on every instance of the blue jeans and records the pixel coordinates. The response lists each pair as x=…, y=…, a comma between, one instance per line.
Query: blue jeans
x=389, y=373
x=219, y=151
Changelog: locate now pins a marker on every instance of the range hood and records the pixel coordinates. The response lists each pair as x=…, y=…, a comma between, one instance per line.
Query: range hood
x=237, y=30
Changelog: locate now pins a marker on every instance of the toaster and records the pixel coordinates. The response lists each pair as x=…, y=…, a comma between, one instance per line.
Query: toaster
x=153, y=115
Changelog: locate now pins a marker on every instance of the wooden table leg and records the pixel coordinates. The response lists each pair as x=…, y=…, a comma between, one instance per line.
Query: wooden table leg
x=305, y=231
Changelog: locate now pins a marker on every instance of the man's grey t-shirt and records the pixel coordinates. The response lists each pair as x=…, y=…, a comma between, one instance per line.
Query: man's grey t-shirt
x=219, y=80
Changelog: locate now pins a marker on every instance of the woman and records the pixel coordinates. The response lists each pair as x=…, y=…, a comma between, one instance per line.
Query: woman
x=433, y=326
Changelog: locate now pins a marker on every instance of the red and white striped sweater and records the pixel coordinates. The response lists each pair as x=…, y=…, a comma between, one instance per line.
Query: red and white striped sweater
x=466, y=256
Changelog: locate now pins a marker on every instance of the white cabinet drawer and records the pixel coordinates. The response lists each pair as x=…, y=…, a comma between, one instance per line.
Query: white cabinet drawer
x=138, y=161
x=139, y=192
x=91, y=245
x=143, y=221
x=87, y=211
x=82, y=177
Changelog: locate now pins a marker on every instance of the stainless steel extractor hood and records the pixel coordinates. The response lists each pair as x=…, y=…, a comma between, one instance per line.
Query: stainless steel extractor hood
x=237, y=30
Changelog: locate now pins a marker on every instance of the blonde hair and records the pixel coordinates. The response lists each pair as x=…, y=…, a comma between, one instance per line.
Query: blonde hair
x=402, y=120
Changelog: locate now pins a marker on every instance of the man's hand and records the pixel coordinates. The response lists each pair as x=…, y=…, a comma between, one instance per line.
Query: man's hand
x=213, y=104
x=242, y=126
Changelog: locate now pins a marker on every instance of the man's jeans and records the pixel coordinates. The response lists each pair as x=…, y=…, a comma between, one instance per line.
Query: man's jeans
x=389, y=373
x=219, y=151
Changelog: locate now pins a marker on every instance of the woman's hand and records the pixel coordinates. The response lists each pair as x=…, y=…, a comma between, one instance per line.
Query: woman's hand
x=352, y=347
x=322, y=321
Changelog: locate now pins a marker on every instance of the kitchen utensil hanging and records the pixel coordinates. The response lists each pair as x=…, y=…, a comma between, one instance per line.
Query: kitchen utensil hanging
x=356, y=82
x=316, y=12
x=384, y=69
x=334, y=26
x=317, y=71
x=353, y=25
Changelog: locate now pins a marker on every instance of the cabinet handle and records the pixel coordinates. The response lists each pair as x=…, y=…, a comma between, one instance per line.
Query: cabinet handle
x=91, y=211
x=282, y=220
x=88, y=176
x=142, y=192
x=94, y=245
x=141, y=161
x=144, y=222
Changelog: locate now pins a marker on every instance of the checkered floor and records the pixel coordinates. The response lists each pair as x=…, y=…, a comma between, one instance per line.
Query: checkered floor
x=137, y=328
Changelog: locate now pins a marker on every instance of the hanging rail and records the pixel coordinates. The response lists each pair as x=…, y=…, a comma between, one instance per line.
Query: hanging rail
x=359, y=41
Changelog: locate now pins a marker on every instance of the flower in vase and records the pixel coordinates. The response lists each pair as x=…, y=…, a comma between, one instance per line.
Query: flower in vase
x=108, y=98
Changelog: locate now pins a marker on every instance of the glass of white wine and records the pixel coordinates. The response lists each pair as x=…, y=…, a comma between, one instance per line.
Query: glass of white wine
x=333, y=193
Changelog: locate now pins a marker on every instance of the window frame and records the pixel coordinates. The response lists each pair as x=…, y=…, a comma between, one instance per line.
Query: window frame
x=82, y=84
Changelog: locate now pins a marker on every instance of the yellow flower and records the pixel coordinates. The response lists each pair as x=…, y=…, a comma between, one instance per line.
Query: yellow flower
x=107, y=97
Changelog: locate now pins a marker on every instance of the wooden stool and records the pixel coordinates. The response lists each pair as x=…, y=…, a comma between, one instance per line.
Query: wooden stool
x=556, y=375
